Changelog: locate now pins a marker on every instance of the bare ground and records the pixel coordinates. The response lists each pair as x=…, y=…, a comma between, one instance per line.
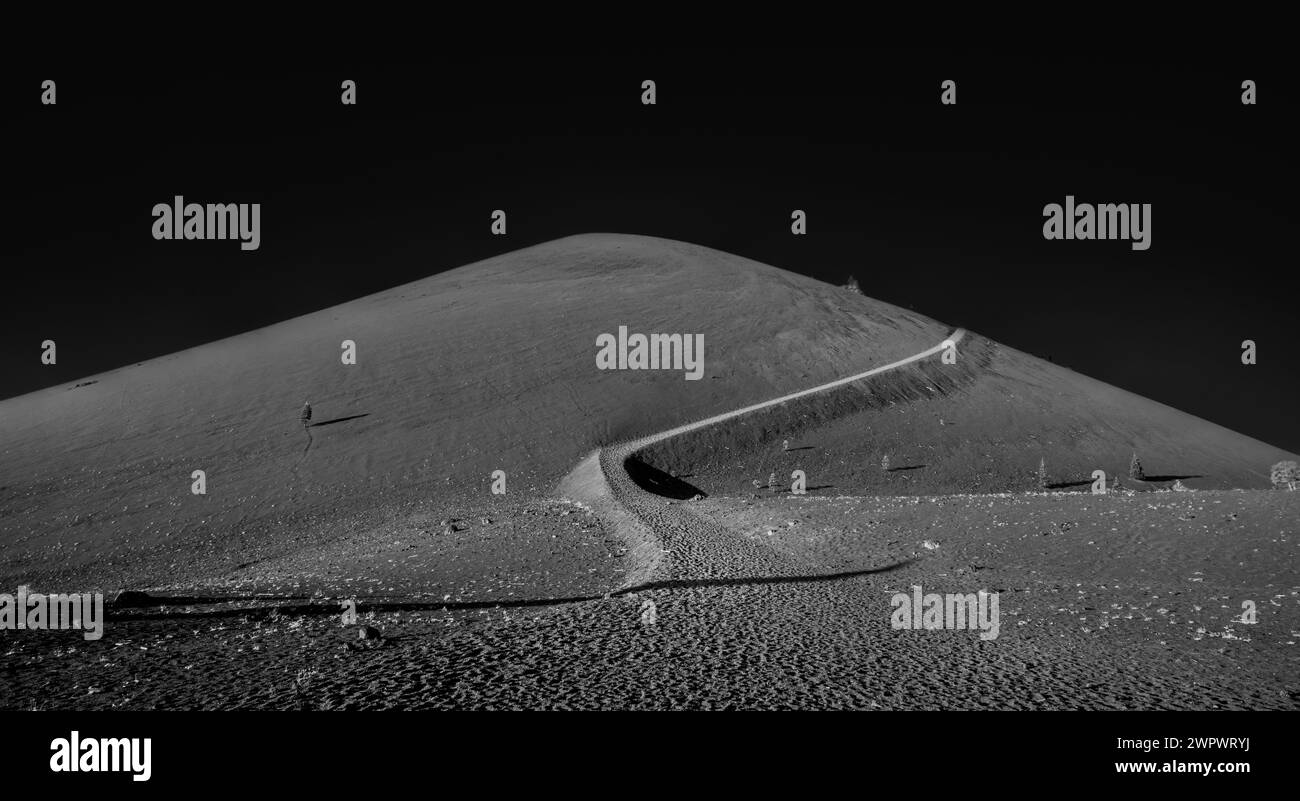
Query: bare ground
x=1107, y=603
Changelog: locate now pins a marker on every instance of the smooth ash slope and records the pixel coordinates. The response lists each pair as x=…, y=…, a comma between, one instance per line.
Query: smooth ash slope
x=488, y=366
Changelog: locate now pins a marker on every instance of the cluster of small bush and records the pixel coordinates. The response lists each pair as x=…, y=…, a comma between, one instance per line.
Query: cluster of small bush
x=1284, y=475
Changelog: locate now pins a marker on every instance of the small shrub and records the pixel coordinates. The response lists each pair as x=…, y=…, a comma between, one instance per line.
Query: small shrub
x=1042, y=473
x=884, y=463
x=1135, y=468
x=1284, y=475
x=852, y=285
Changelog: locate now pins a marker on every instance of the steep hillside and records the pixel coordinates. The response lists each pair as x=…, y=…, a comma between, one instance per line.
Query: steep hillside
x=488, y=366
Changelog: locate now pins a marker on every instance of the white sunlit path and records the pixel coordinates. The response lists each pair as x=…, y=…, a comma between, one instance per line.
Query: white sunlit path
x=636, y=445
x=742, y=622
x=601, y=482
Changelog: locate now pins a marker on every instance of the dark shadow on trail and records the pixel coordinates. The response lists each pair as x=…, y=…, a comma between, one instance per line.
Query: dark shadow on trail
x=906, y=467
x=334, y=606
x=801, y=448
x=657, y=482
x=150, y=601
x=1068, y=484
x=820, y=487
x=338, y=420
x=1150, y=479
x=674, y=584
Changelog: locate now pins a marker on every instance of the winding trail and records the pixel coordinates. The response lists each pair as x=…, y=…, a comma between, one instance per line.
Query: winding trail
x=666, y=542
x=737, y=625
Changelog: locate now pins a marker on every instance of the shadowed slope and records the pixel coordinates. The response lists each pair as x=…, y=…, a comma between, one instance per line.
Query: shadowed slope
x=981, y=425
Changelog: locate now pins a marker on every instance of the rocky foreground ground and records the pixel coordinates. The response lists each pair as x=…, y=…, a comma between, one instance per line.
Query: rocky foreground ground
x=1117, y=602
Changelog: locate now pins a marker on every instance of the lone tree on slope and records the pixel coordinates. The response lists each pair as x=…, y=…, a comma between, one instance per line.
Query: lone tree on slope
x=1042, y=473
x=1135, y=468
x=306, y=414
x=852, y=285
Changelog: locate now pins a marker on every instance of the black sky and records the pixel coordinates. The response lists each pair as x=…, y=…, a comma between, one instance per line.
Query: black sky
x=935, y=208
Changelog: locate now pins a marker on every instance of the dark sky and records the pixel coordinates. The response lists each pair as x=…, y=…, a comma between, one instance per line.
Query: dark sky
x=935, y=208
